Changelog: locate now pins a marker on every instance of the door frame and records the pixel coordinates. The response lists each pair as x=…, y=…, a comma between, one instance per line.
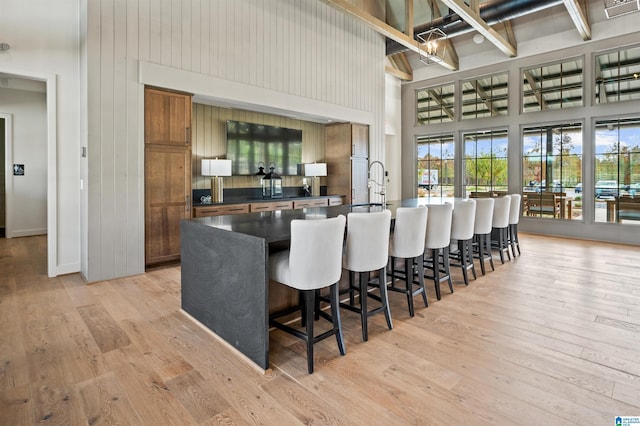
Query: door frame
x=52, y=161
x=8, y=176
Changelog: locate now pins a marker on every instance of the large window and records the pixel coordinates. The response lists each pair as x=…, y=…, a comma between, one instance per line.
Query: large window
x=552, y=171
x=485, y=161
x=435, y=104
x=553, y=86
x=617, y=171
x=435, y=165
x=617, y=76
x=485, y=97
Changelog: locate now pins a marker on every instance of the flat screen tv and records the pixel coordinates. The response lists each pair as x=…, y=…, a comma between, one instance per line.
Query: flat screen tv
x=251, y=145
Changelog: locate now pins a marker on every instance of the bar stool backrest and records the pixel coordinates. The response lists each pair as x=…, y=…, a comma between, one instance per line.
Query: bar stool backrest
x=438, y=234
x=367, y=247
x=484, y=216
x=501, y=212
x=315, y=256
x=514, y=210
x=464, y=216
x=407, y=240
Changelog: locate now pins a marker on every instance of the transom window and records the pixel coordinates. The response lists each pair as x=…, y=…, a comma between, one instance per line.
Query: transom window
x=552, y=86
x=617, y=76
x=485, y=97
x=485, y=161
x=436, y=156
x=435, y=104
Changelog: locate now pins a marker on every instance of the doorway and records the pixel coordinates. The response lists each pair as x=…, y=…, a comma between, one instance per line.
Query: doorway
x=44, y=161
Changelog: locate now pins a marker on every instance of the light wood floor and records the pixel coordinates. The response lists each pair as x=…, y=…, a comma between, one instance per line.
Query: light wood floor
x=550, y=338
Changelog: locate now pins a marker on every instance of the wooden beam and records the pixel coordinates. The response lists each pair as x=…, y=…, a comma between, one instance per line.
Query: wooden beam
x=386, y=30
x=434, y=95
x=486, y=99
x=536, y=92
x=473, y=18
x=579, y=18
x=398, y=73
x=408, y=18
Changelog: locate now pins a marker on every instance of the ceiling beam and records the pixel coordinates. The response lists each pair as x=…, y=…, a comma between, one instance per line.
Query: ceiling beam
x=408, y=18
x=579, y=17
x=486, y=99
x=537, y=93
x=473, y=18
x=387, y=30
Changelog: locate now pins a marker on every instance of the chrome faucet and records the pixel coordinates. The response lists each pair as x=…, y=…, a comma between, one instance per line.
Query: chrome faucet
x=370, y=181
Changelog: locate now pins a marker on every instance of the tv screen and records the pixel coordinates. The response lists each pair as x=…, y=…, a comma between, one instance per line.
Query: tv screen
x=252, y=145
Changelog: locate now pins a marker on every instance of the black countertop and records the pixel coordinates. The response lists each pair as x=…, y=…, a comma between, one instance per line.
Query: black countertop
x=275, y=226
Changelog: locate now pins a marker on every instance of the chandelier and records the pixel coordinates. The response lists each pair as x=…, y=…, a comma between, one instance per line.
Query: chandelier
x=432, y=45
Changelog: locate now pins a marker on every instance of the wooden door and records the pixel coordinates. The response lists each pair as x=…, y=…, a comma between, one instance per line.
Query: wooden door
x=360, y=140
x=167, y=117
x=167, y=200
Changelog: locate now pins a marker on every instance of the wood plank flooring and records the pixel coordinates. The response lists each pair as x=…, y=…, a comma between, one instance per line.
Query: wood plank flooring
x=550, y=338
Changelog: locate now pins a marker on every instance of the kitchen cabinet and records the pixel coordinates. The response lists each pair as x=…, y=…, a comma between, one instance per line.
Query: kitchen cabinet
x=167, y=173
x=219, y=210
x=347, y=157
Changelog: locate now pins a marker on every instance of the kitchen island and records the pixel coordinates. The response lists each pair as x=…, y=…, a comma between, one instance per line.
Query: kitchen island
x=225, y=269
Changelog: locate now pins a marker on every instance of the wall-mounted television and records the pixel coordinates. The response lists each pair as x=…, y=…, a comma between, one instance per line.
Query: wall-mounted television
x=251, y=145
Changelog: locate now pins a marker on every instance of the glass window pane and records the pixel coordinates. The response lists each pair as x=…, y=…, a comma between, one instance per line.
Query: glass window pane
x=435, y=104
x=485, y=97
x=553, y=86
x=617, y=171
x=485, y=161
x=435, y=169
x=617, y=75
x=552, y=171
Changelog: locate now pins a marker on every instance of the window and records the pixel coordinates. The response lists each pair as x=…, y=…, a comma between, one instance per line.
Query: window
x=617, y=171
x=485, y=97
x=435, y=165
x=617, y=76
x=552, y=86
x=485, y=161
x=435, y=104
x=552, y=171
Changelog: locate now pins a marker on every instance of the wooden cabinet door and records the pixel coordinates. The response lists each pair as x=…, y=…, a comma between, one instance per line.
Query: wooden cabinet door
x=167, y=200
x=359, y=187
x=360, y=140
x=167, y=118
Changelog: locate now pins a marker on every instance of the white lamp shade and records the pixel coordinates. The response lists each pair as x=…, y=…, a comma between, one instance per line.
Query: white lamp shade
x=216, y=167
x=315, y=169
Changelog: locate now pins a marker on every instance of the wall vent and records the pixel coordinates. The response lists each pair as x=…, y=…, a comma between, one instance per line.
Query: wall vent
x=613, y=8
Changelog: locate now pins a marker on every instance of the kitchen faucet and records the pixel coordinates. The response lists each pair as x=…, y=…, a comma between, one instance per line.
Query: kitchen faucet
x=370, y=181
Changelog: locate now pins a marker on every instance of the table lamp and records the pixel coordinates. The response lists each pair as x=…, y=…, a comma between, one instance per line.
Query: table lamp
x=216, y=169
x=315, y=170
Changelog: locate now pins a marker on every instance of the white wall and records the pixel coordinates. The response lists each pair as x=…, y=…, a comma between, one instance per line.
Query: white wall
x=45, y=45
x=285, y=55
x=28, y=207
x=393, y=137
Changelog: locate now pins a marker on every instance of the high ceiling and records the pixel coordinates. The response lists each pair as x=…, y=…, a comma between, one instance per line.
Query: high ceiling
x=472, y=26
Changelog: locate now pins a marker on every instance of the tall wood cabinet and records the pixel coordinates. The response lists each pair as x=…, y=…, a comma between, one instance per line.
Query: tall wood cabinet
x=167, y=170
x=347, y=157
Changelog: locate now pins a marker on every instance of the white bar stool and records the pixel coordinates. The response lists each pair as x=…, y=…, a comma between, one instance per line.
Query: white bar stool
x=314, y=261
x=407, y=243
x=500, y=226
x=482, y=231
x=514, y=219
x=437, y=240
x=462, y=224
x=367, y=250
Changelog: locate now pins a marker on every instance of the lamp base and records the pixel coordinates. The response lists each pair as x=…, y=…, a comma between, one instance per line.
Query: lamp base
x=315, y=186
x=216, y=189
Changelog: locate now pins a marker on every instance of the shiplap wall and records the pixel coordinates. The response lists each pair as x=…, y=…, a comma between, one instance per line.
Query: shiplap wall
x=305, y=49
x=208, y=141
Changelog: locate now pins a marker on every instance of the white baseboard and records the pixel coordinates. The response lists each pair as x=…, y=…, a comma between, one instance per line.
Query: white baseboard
x=27, y=233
